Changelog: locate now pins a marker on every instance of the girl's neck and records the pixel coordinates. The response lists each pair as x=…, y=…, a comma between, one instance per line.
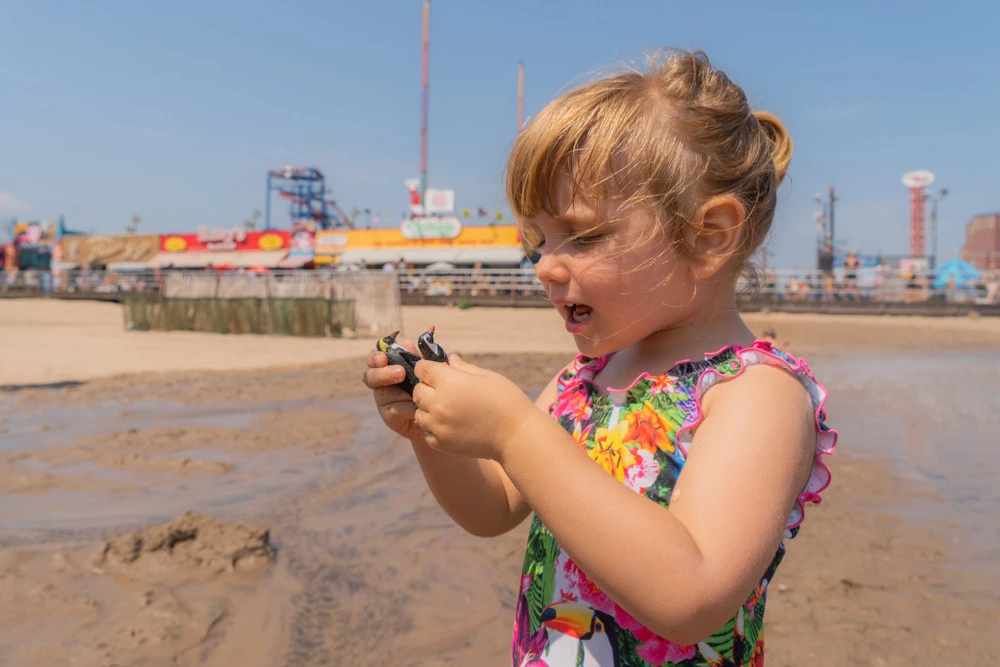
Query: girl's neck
x=708, y=330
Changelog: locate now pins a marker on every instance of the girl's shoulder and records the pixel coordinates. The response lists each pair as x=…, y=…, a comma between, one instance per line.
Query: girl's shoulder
x=680, y=392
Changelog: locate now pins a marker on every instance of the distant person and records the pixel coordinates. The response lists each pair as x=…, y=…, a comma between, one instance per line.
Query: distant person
x=629, y=561
x=851, y=266
x=882, y=273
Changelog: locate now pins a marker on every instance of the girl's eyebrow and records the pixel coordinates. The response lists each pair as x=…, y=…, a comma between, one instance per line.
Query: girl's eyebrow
x=579, y=220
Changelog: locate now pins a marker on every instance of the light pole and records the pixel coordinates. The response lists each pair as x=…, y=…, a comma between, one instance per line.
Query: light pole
x=929, y=194
x=828, y=239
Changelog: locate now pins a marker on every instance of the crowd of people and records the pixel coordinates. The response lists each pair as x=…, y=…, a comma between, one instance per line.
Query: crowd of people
x=882, y=283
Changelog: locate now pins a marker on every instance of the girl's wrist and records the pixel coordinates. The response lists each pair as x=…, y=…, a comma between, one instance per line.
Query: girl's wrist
x=525, y=431
x=417, y=440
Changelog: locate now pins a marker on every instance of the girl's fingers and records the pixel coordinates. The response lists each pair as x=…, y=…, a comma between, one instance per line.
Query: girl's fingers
x=386, y=376
x=398, y=411
x=424, y=421
x=388, y=395
x=421, y=394
x=461, y=364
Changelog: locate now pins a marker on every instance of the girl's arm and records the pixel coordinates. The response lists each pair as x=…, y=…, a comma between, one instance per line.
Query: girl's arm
x=682, y=571
x=476, y=493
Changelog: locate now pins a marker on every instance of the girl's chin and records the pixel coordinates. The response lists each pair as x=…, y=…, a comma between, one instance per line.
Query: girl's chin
x=590, y=347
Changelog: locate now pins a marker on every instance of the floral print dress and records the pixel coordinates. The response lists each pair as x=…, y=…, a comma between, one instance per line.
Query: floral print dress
x=640, y=435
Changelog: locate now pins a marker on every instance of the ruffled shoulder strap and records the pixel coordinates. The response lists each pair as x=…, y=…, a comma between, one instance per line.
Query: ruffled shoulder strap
x=763, y=352
x=583, y=369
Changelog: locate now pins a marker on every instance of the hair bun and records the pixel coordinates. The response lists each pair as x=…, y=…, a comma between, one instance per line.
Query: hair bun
x=781, y=141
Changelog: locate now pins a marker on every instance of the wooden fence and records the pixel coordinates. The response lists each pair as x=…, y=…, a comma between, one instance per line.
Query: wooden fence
x=282, y=317
x=308, y=304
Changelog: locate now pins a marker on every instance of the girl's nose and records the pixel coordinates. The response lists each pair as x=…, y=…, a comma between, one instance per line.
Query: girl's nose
x=550, y=269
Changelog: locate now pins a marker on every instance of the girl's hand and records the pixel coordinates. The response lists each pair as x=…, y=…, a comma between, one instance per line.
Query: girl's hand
x=395, y=406
x=469, y=411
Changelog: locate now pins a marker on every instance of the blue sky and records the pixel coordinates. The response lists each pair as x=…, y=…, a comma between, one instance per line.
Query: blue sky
x=175, y=111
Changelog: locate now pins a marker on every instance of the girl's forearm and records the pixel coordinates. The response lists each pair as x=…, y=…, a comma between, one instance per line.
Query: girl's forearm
x=471, y=491
x=612, y=533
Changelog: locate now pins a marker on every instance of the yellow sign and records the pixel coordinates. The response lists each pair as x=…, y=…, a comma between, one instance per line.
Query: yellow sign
x=271, y=242
x=492, y=236
x=174, y=244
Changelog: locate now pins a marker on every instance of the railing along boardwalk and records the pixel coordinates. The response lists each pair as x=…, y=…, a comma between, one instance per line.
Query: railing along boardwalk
x=377, y=295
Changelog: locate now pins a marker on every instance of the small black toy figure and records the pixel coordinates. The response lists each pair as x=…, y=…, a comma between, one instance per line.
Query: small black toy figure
x=430, y=350
x=400, y=356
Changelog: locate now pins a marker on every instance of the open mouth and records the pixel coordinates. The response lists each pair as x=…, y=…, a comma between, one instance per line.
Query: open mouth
x=577, y=316
x=579, y=312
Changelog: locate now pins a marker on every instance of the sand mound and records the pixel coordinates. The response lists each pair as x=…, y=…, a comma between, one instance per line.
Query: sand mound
x=190, y=542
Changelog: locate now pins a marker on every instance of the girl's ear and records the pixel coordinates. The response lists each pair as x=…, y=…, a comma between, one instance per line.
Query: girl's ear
x=716, y=235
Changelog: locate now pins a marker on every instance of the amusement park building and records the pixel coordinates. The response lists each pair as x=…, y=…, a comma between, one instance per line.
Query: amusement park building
x=421, y=242
x=413, y=244
x=982, y=241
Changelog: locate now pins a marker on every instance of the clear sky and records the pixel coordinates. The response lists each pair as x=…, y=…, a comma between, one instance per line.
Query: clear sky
x=174, y=111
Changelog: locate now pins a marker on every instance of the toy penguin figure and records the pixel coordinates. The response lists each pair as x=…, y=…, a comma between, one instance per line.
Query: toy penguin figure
x=430, y=350
x=400, y=356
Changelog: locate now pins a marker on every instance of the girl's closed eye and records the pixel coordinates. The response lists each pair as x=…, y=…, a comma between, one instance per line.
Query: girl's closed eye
x=536, y=244
x=586, y=240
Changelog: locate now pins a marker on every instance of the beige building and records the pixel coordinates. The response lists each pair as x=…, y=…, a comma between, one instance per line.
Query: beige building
x=109, y=252
x=982, y=241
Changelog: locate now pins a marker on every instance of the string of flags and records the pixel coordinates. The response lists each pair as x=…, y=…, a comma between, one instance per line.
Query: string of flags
x=484, y=213
x=435, y=200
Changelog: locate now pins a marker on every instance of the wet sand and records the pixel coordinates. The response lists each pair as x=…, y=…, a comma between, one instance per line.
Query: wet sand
x=367, y=569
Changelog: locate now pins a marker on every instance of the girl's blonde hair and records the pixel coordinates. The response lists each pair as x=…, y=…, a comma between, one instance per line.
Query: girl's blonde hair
x=669, y=138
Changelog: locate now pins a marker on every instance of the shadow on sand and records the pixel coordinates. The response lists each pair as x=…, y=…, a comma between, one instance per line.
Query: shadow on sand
x=43, y=385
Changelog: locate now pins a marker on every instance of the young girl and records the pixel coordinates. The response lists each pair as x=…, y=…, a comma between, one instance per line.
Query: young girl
x=645, y=195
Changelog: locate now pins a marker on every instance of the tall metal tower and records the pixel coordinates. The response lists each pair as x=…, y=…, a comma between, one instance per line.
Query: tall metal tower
x=306, y=189
x=917, y=182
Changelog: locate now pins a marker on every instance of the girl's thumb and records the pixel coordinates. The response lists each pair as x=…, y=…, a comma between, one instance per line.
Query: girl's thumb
x=457, y=362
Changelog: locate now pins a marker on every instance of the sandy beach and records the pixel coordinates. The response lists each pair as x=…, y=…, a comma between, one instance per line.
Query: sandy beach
x=314, y=540
x=85, y=340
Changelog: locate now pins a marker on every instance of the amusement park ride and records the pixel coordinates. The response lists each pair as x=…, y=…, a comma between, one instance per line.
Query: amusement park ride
x=306, y=189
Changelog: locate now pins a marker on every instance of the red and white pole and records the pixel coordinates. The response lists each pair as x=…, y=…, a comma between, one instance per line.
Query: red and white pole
x=917, y=182
x=917, y=242
x=425, y=47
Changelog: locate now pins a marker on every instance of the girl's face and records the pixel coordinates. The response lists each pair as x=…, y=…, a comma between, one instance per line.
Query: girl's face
x=610, y=273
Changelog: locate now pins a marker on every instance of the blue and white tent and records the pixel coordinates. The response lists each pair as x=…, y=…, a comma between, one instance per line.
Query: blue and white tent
x=965, y=275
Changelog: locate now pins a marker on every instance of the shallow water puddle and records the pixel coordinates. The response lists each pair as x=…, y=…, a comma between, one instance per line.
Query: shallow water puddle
x=937, y=418
x=154, y=485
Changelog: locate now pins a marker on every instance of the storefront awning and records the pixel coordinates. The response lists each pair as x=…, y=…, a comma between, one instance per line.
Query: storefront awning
x=239, y=259
x=61, y=266
x=459, y=256
x=295, y=261
x=127, y=266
